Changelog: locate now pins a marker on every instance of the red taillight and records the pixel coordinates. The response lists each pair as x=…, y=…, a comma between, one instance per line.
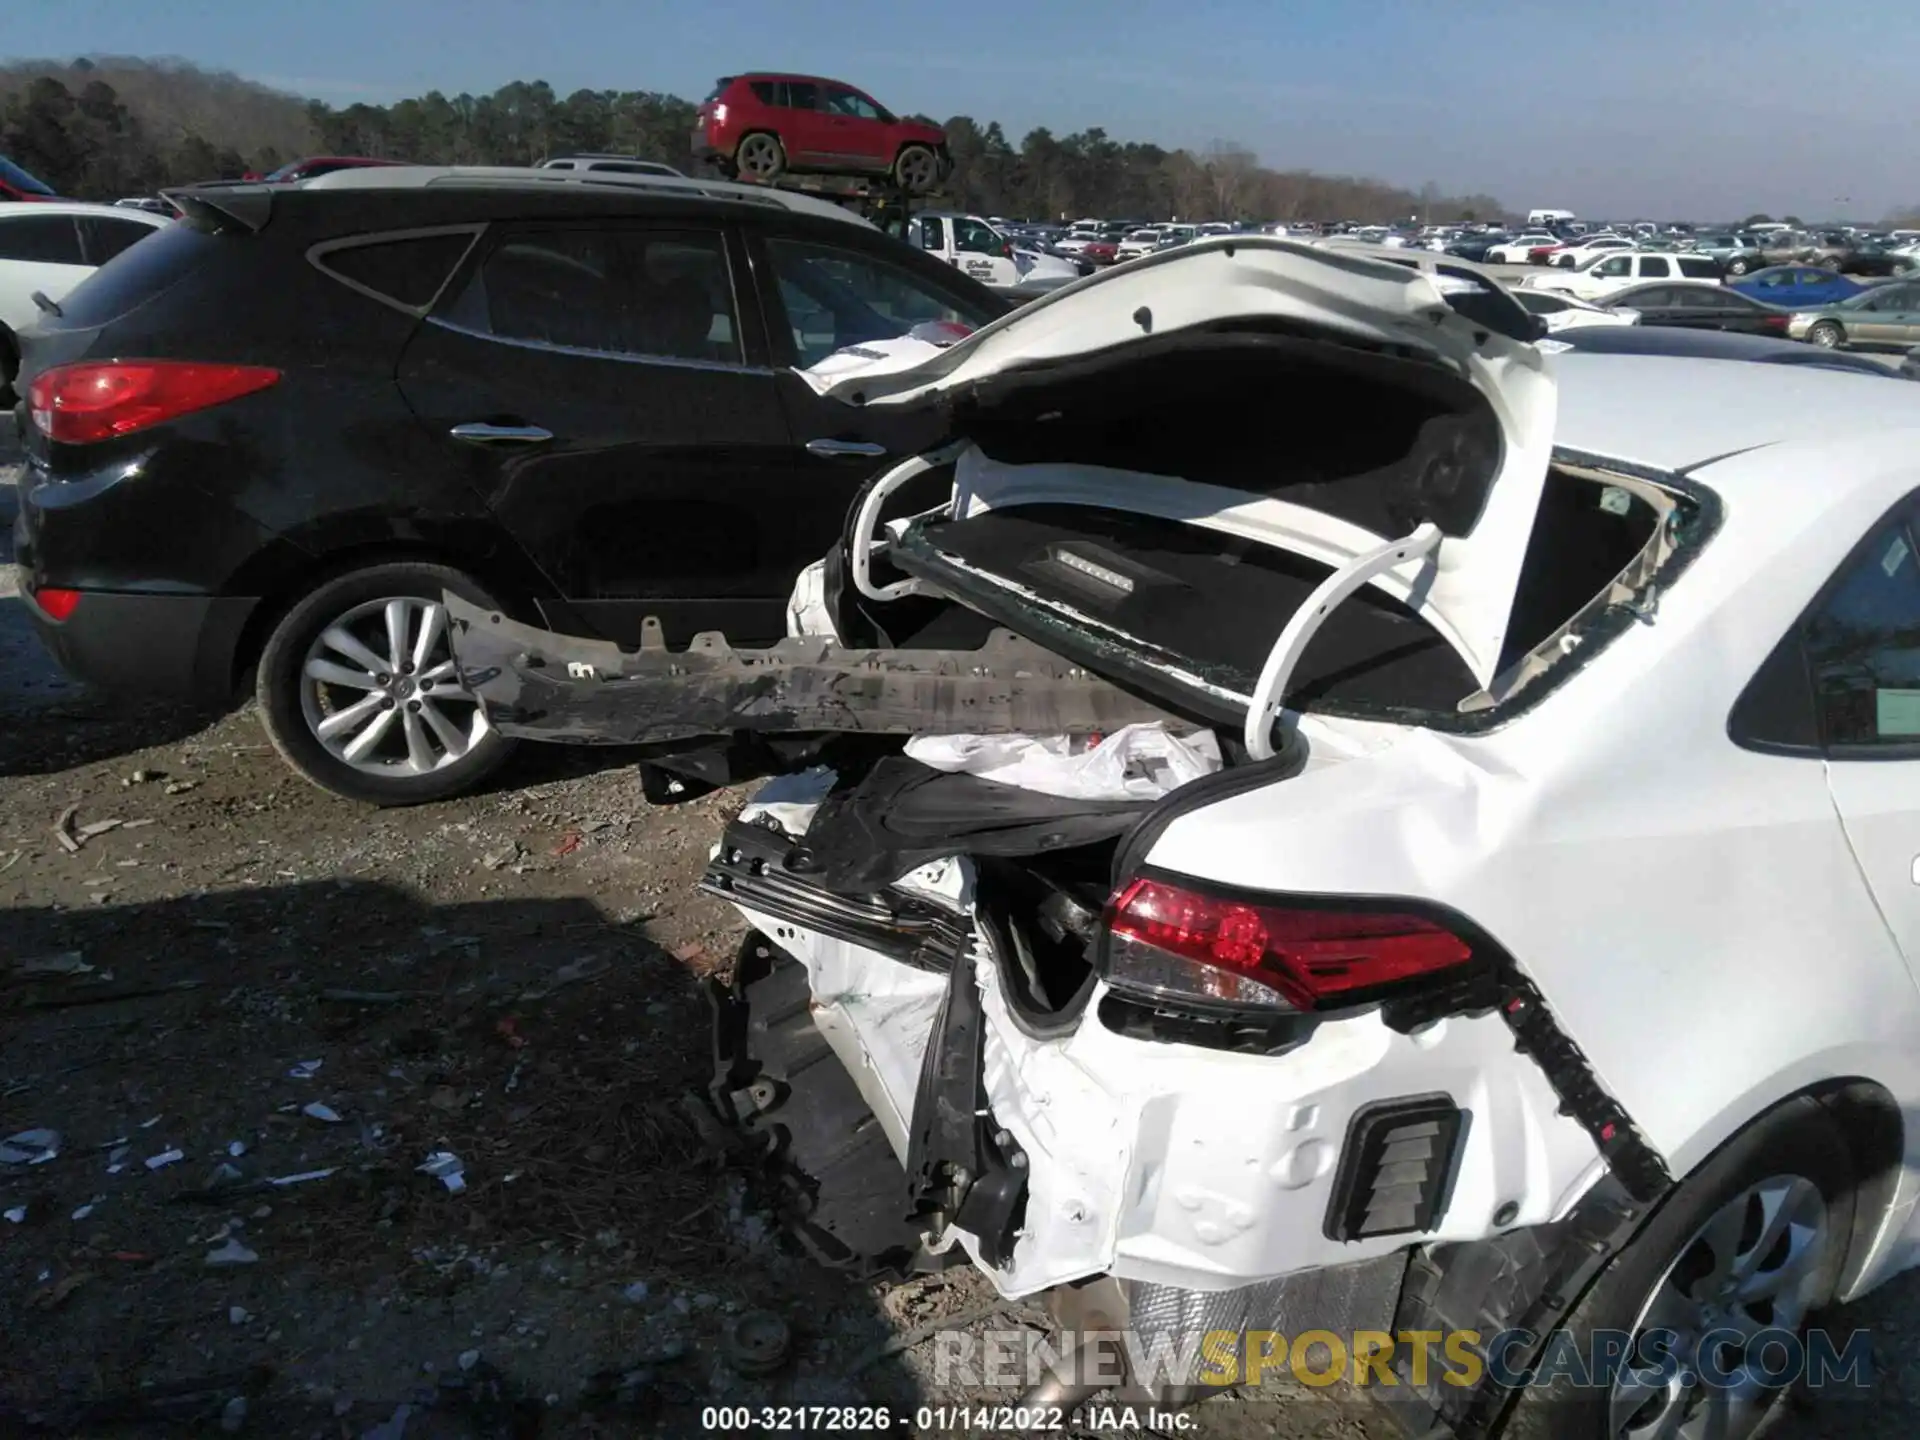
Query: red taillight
x=1775, y=322
x=97, y=400
x=57, y=603
x=1172, y=942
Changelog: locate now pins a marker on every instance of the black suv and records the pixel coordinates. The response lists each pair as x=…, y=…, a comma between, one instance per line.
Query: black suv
x=262, y=443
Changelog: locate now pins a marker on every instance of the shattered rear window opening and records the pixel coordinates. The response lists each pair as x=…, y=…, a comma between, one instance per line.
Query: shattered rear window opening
x=1171, y=606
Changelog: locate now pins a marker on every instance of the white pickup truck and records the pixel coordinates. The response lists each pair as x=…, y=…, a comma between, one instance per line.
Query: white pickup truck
x=969, y=243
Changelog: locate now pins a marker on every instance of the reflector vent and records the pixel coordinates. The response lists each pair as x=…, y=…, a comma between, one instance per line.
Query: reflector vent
x=1395, y=1169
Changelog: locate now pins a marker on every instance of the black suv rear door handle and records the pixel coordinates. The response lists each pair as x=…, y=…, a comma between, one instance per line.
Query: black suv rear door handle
x=832, y=448
x=481, y=433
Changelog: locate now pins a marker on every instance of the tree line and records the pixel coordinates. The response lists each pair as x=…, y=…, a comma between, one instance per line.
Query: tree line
x=109, y=126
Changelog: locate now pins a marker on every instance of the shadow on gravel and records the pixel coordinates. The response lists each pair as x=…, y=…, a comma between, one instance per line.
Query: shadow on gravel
x=581, y=1273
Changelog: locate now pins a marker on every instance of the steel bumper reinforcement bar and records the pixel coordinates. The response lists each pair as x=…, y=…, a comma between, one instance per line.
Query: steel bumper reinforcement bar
x=542, y=686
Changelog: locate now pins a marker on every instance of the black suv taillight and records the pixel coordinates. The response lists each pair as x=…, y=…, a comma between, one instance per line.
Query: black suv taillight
x=84, y=403
x=1169, y=942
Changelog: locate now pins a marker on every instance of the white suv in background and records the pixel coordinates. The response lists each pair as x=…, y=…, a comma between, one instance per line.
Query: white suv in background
x=50, y=247
x=1618, y=271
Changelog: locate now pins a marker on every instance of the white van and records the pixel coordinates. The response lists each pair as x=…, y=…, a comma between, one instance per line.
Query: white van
x=1548, y=217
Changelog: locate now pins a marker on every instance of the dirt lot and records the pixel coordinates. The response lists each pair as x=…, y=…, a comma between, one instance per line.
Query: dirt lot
x=246, y=979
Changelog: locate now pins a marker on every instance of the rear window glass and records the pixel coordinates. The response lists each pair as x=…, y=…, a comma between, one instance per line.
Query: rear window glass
x=409, y=271
x=141, y=272
x=1699, y=269
x=720, y=88
x=42, y=239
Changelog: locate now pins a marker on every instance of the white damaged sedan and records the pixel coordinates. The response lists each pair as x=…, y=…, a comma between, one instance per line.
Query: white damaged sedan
x=1537, y=958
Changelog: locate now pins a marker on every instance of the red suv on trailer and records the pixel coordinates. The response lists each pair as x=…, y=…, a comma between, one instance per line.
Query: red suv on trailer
x=763, y=125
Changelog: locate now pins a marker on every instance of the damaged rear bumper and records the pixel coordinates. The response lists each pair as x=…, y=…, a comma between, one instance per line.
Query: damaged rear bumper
x=1104, y=1148
x=544, y=686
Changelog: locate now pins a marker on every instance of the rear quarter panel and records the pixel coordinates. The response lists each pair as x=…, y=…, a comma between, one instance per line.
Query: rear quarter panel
x=1689, y=909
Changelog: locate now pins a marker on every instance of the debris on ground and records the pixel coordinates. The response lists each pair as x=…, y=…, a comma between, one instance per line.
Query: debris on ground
x=165, y=1158
x=30, y=1147
x=232, y=1253
x=447, y=1168
x=326, y=1114
x=758, y=1343
x=72, y=962
x=305, y=1070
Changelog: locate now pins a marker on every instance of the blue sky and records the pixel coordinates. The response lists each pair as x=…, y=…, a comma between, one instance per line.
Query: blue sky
x=1699, y=108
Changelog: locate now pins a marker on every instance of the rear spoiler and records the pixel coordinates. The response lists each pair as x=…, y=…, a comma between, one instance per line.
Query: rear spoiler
x=225, y=205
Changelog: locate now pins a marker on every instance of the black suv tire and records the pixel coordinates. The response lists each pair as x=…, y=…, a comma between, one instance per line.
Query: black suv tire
x=411, y=725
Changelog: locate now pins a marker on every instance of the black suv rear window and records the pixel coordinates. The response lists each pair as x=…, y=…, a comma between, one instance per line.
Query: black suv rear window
x=141, y=272
x=409, y=271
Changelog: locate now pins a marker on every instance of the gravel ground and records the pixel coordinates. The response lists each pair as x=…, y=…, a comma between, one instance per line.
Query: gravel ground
x=268, y=982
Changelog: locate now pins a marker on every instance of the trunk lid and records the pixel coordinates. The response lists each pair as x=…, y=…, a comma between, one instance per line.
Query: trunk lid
x=1032, y=399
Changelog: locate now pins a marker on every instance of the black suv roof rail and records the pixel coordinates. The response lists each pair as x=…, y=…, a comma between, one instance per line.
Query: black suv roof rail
x=525, y=177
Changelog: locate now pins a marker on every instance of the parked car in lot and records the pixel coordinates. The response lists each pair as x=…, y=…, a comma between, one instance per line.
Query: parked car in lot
x=17, y=184
x=1882, y=318
x=1784, y=246
x=1797, y=287
x=1564, y=312
x=1876, y=262
x=1695, y=306
x=1571, y=257
x=1474, y=247
x=1680, y=342
x=762, y=126
x=1143, y=241
x=1623, y=269
x=49, y=248
x=1527, y=249
x=570, y=398
x=1910, y=367
x=314, y=166
x=1298, y=1036
x=1736, y=254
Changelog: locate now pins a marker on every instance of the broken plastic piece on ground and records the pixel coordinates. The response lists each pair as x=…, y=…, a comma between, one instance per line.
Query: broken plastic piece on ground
x=70, y=962
x=394, y=1427
x=572, y=842
x=282, y=1181
x=165, y=1158
x=17, y=1214
x=305, y=1070
x=758, y=1343
x=326, y=1113
x=446, y=1167
x=585, y=968
x=1138, y=762
x=232, y=1253
x=30, y=1147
